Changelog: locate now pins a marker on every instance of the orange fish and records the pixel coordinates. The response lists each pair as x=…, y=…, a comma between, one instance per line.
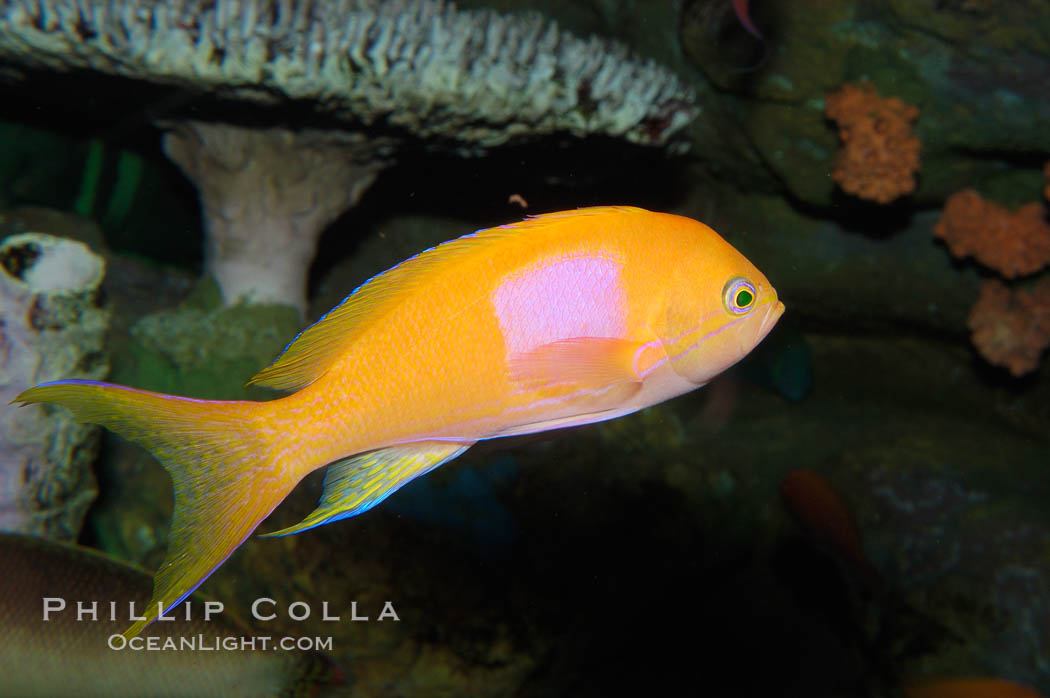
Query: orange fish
x=820, y=510
x=743, y=15
x=562, y=319
x=969, y=688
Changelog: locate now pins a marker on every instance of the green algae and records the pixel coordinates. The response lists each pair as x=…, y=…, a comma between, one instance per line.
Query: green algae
x=204, y=350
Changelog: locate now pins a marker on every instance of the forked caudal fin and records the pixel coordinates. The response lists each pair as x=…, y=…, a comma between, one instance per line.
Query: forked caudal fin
x=229, y=472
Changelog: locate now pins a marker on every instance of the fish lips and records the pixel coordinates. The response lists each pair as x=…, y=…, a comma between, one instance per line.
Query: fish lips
x=774, y=309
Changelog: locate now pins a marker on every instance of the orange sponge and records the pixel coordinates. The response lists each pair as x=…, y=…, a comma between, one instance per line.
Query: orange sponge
x=879, y=155
x=1013, y=243
x=1011, y=328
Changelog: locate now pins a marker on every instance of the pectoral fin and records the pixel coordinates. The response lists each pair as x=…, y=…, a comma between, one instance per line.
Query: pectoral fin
x=356, y=484
x=585, y=363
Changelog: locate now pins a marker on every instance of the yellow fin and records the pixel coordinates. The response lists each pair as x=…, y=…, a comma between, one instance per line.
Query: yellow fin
x=589, y=363
x=225, y=476
x=310, y=354
x=356, y=484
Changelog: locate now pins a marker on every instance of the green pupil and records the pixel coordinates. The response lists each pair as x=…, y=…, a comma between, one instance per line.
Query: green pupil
x=744, y=298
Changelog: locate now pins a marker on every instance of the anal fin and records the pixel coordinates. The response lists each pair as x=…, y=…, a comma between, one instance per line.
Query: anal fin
x=356, y=484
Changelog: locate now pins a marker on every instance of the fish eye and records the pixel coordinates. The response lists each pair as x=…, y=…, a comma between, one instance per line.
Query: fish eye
x=738, y=296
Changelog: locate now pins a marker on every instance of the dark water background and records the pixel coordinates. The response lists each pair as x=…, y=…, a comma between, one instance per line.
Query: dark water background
x=654, y=554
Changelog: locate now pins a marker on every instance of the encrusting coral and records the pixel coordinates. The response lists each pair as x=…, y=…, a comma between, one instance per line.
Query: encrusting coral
x=373, y=74
x=1011, y=328
x=879, y=155
x=1013, y=243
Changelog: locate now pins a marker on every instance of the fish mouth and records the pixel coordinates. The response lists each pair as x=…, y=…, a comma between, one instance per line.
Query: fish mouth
x=772, y=315
x=773, y=312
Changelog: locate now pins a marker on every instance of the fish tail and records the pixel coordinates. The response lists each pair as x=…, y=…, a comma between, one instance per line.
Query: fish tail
x=223, y=460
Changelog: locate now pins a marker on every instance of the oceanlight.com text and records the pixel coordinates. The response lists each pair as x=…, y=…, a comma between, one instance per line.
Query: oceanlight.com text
x=217, y=643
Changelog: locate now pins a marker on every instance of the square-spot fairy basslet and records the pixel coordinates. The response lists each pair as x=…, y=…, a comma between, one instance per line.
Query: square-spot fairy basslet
x=562, y=319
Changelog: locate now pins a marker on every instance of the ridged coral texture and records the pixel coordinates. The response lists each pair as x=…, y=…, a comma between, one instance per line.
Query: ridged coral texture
x=480, y=78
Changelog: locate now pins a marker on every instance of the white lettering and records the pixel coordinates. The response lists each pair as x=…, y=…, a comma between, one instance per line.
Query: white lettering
x=305, y=611
x=212, y=608
x=53, y=604
x=160, y=612
x=255, y=609
x=388, y=612
x=84, y=610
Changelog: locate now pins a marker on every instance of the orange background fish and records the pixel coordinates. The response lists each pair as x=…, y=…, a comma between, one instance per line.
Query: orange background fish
x=969, y=688
x=563, y=319
x=826, y=518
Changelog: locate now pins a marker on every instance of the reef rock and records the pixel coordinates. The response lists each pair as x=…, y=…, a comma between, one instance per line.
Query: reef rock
x=51, y=327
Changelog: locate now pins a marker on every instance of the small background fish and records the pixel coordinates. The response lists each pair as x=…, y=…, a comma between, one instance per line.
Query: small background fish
x=969, y=688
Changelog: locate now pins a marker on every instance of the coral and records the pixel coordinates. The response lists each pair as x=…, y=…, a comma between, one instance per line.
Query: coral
x=266, y=195
x=374, y=73
x=1010, y=327
x=1011, y=243
x=879, y=155
x=480, y=78
x=51, y=328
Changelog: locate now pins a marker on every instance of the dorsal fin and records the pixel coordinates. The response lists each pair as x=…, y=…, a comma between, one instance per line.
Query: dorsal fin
x=311, y=353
